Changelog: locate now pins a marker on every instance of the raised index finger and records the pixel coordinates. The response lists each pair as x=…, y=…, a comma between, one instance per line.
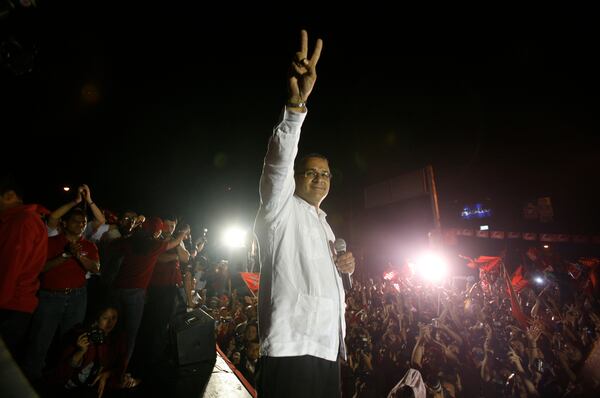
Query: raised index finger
x=303, y=44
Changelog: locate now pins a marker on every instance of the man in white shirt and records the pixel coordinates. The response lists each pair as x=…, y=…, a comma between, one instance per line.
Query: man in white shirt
x=301, y=297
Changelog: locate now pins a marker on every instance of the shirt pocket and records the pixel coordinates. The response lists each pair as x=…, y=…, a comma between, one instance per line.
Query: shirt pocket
x=314, y=316
x=314, y=241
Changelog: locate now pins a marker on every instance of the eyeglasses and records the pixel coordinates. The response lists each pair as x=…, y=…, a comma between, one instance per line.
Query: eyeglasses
x=312, y=174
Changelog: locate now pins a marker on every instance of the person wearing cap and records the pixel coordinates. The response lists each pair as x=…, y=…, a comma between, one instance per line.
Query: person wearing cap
x=301, y=296
x=140, y=253
x=23, y=250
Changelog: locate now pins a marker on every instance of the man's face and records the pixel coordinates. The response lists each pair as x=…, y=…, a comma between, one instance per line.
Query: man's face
x=126, y=221
x=311, y=183
x=169, y=227
x=9, y=199
x=76, y=224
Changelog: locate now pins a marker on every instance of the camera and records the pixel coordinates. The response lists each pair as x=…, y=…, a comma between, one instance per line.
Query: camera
x=96, y=335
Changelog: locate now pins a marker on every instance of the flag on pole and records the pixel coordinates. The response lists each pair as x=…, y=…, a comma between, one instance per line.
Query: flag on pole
x=517, y=311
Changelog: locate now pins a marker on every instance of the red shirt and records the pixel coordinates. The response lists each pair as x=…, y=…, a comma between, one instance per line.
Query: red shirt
x=71, y=273
x=23, y=247
x=167, y=274
x=136, y=269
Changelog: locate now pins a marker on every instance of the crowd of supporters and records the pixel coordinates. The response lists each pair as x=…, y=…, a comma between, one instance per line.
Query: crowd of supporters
x=87, y=296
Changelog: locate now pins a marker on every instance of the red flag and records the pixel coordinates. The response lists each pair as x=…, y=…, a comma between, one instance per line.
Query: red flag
x=251, y=279
x=514, y=302
x=591, y=263
x=518, y=281
x=484, y=263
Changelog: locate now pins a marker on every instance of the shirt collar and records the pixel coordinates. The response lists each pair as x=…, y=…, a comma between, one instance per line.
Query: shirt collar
x=321, y=213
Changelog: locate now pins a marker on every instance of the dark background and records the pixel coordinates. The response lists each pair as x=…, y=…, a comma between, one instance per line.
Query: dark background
x=167, y=108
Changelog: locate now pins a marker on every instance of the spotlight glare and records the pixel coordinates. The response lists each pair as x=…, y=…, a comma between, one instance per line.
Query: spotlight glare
x=66, y=189
x=539, y=280
x=431, y=267
x=234, y=237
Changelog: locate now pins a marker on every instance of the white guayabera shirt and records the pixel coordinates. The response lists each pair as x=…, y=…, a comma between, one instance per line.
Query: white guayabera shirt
x=301, y=296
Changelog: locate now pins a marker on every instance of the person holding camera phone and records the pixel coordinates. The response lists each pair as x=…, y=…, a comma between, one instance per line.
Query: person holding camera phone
x=301, y=297
x=95, y=357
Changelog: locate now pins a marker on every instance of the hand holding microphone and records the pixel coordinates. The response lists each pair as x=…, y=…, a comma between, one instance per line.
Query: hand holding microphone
x=344, y=262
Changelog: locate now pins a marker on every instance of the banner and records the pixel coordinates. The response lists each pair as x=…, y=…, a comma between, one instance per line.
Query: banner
x=450, y=235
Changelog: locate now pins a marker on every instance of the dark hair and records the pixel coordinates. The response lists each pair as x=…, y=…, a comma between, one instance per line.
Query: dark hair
x=170, y=217
x=76, y=211
x=8, y=183
x=104, y=307
x=300, y=161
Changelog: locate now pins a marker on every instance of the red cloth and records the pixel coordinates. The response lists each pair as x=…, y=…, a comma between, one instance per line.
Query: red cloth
x=23, y=249
x=518, y=281
x=136, y=269
x=153, y=225
x=252, y=280
x=517, y=311
x=167, y=273
x=485, y=263
x=71, y=273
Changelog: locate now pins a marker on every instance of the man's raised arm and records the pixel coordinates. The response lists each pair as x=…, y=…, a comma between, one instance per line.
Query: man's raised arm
x=277, y=178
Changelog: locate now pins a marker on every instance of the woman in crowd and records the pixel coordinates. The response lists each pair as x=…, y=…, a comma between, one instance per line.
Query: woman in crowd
x=95, y=358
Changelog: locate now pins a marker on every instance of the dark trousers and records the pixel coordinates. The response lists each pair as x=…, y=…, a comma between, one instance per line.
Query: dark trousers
x=56, y=311
x=161, y=303
x=131, y=303
x=301, y=377
x=13, y=329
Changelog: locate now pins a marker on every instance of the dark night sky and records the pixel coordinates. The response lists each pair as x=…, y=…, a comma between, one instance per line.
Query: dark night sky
x=170, y=109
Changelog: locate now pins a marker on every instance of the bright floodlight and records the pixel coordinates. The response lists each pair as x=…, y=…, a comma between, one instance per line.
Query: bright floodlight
x=539, y=280
x=234, y=237
x=66, y=189
x=431, y=266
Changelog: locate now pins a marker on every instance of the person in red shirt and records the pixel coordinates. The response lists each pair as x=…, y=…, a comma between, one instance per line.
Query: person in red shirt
x=141, y=252
x=23, y=247
x=63, y=294
x=163, y=296
x=95, y=358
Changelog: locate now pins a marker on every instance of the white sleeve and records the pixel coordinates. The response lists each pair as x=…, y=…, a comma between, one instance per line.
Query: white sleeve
x=277, y=179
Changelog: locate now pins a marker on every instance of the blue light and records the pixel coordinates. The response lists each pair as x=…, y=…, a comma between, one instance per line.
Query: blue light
x=477, y=211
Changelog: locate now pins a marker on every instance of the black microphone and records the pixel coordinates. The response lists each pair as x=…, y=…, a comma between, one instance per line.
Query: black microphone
x=340, y=248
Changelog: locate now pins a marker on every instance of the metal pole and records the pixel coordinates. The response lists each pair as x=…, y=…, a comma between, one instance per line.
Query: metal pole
x=437, y=224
